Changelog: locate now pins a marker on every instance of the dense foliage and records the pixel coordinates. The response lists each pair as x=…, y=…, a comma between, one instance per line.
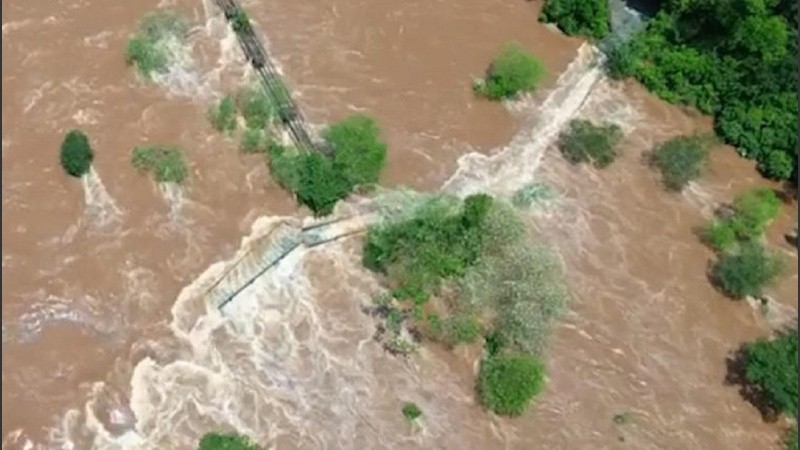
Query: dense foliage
x=736, y=59
x=240, y=22
x=584, y=141
x=166, y=162
x=514, y=71
x=223, y=117
x=680, y=160
x=318, y=181
x=791, y=439
x=747, y=270
x=772, y=365
x=579, y=17
x=507, y=383
x=76, y=153
x=255, y=140
x=229, y=441
x=752, y=211
x=411, y=411
x=257, y=107
x=149, y=49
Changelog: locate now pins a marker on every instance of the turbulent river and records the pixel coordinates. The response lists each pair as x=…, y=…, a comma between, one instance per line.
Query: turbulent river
x=110, y=336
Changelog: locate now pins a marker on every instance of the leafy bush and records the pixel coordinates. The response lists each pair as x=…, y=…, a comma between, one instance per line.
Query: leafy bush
x=736, y=62
x=76, y=153
x=220, y=441
x=258, y=108
x=359, y=154
x=149, y=49
x=255, y=140
x=461, y=329
x=752, y=212
x=411, y=411
x=772, y=365
x=791, y=439
x=746, y=271
x=680, y=160
x=579, y=17
x=319, y=184
x=507, y=383
x=223, y=117
x=165, y=162
x=512, y=72
x=583, y=142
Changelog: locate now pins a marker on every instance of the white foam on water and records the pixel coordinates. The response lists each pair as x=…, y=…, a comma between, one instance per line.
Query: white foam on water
x=100, y=206
x=174, y=195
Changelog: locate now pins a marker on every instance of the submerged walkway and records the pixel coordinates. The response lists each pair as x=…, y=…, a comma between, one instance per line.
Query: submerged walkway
x=288, y=112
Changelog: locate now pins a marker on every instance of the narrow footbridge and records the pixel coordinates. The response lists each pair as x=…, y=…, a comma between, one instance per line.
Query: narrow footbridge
x=267, y=251
x=288, y=112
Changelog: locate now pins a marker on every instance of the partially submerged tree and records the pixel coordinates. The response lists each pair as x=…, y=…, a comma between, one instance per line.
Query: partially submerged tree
x=76, y=154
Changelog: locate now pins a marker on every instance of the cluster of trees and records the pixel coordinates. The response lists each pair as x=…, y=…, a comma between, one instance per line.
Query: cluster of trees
x=470, y=257
x=584, y=141
x=357, y=155
x=149, y=49
x=259, y=112
x=514, y=71
x=680, y=160
x=226, y=441
x=744, y=267
x=590, y=18
x=734, y=59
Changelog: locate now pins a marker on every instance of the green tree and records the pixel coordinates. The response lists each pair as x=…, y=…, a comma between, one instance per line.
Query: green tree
x=584, y=141
x=514, y=71
x=411, y=411
x=772, y=365
x=589, y=18
x=226, y=441
x=746, y=271
x=223, y=117
x=76, y=153
x=680, y=160
x=507, y=383
x=148, y=49
x=359, y=154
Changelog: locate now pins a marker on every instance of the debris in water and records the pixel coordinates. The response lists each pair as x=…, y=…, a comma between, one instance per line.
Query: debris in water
x=533, y=194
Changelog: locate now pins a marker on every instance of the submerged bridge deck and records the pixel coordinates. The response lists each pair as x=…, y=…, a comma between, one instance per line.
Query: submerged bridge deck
x=254, y=50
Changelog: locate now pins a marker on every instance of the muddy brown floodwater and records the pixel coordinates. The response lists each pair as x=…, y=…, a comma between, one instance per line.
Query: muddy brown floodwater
x=97, y=352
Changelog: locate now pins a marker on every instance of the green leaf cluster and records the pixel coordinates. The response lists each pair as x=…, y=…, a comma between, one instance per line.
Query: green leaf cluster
x=226, y=441
x=507, y=383
x=772, y=365
x=148, y=48
x=591, y=18
x=514, y=71
x=680, y=160
x=747, y=270
x=165, y=162
x=76, y=154
x=752, y=212
x=584, y=141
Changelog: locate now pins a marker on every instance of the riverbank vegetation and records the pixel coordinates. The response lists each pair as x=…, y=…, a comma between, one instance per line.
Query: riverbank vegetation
x=165, y=162
x=747, y=270
x=745, y=221
x=680, y=160
x=590, y=18
x=514, y=71
x=76, y=154
x=461, y=270
x=772, y=366
x=153, y=47
x=357, y=155
x=735, y=60
x=584, y=141
x=226, y=441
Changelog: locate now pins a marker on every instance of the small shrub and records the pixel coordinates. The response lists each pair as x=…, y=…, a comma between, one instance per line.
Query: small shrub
x=461, y=329
x=228, y=441
x=791, y=439
x=258, y=108
x=319, y=184
x=76, y=154
x=583, y=142
x=772, y=365
x=720, y=235
x=255, y=140
x=579, y=17
x=512, y=72
x=507, y=383
x=240, y=22
x=755, y=209
x=776, y=165
x=680, y=161
x=411, y=411
x=148, y=48
x=223, y=117
x=746, y=271
x=166, y=163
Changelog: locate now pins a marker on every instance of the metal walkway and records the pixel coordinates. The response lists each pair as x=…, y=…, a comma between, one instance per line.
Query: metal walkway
x=288, y=112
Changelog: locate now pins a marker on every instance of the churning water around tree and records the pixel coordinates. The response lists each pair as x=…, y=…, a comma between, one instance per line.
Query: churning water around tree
x=291, y=360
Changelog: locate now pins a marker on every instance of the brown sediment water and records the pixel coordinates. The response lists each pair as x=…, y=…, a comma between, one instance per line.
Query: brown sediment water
x=93, y=335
